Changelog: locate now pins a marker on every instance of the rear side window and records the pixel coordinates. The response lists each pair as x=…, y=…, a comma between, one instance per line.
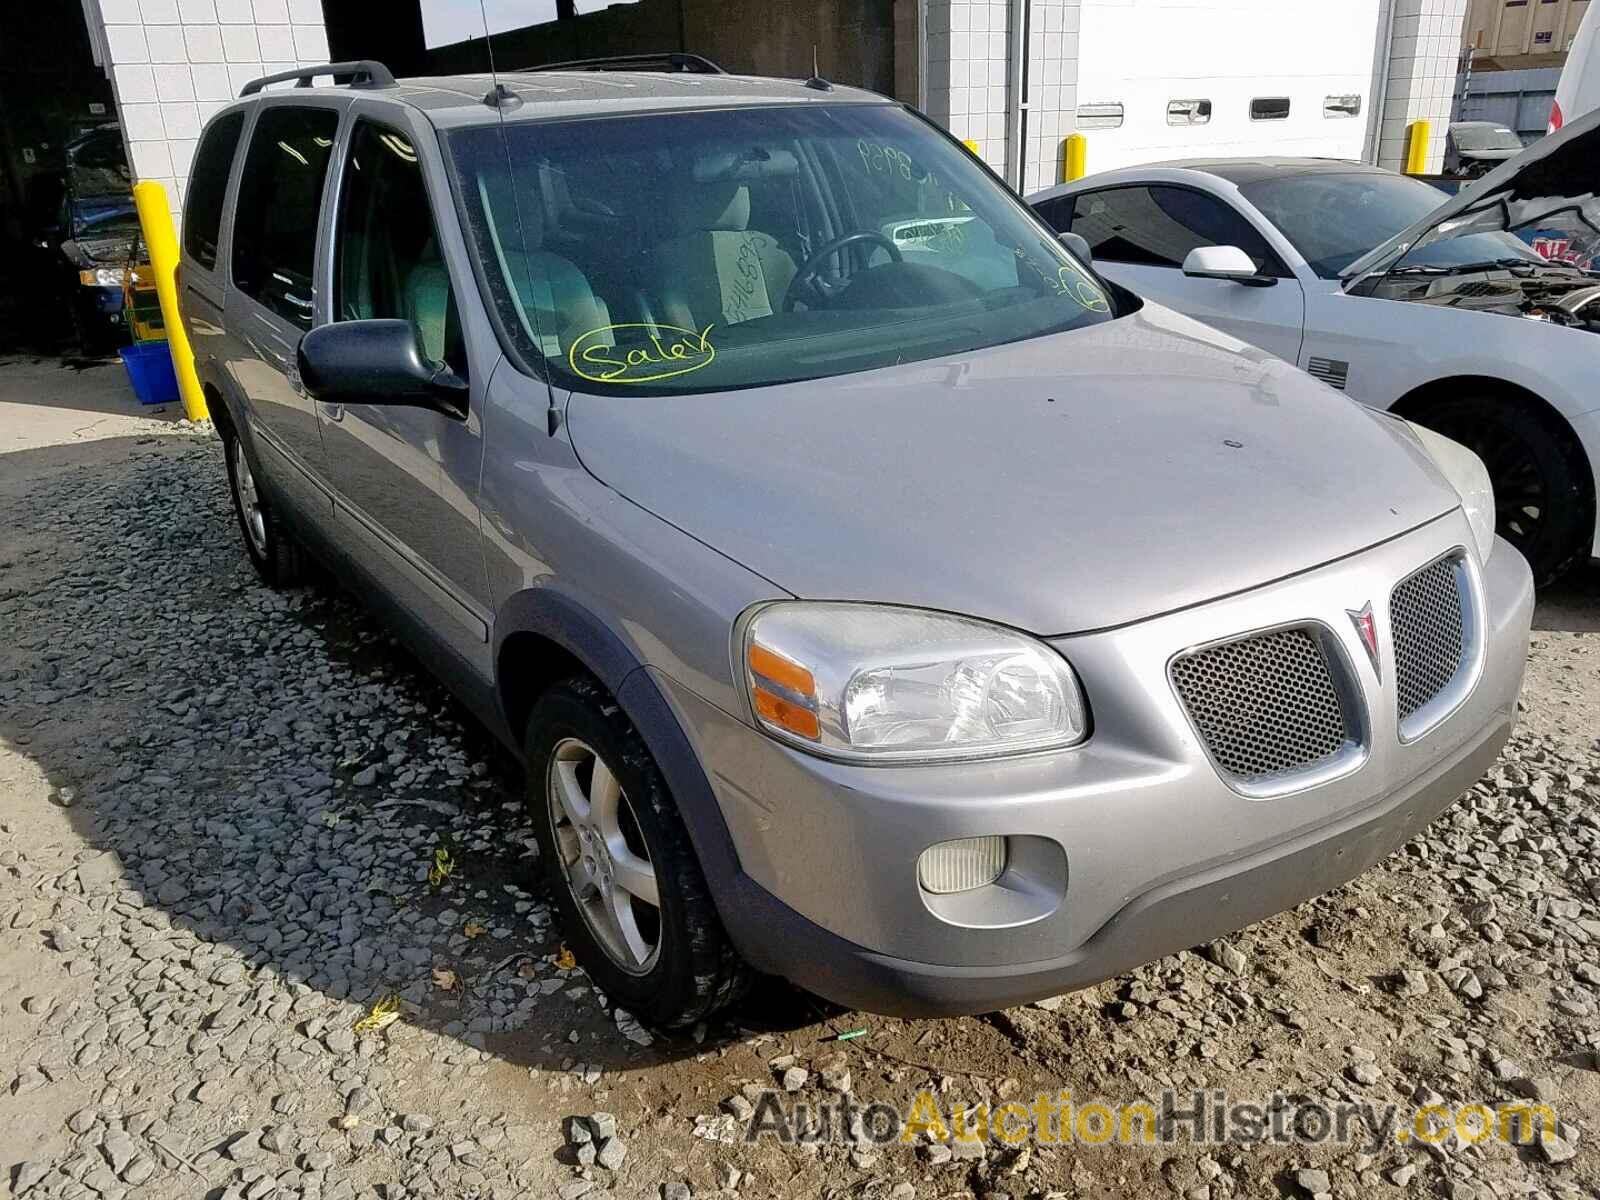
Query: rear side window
x=389, y=262
x=1158, y=226
x=280, y=196
x=1057, y=213
x=208, y=185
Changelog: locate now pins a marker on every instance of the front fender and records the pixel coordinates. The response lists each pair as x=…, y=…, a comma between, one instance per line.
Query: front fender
x=571, y=624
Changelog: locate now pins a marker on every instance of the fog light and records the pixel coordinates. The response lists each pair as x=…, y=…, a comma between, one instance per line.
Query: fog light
x=961, y=865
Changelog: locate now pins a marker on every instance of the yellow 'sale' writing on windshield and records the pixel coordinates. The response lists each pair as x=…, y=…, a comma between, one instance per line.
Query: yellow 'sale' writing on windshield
x=640, y=353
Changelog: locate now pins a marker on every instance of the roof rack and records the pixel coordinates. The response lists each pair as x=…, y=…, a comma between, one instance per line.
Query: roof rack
x=358, y=73
x=672, y=62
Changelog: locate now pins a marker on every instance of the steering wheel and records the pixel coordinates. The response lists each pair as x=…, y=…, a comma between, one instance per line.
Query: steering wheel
x=807, y=279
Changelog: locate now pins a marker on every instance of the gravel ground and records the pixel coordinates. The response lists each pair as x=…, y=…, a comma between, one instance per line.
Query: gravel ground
x=221, y=810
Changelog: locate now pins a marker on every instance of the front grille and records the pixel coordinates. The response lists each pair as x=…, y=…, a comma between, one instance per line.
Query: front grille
x=1430, y=636
x=1265, y=705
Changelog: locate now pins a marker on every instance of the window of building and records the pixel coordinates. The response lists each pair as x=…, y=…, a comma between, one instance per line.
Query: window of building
x=280, y=198
x=1269, y=108
x=208, y=186
x=1342, y=106
x=1100, y=116
x=389, y=263
x=1157, y=226
x=1188, y=112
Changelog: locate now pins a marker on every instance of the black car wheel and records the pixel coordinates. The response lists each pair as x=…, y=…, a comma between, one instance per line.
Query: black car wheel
x=634, y=903
x=272, y=550
x=1544, y=505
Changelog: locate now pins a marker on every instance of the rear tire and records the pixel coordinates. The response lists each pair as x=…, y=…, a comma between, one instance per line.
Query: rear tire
x=1544, y=501
x=272, y=550
x=603, y=817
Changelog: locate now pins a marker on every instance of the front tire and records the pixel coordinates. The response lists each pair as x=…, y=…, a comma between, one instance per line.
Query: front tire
x=1544, y=505
x=272, y=550
x=617, y=859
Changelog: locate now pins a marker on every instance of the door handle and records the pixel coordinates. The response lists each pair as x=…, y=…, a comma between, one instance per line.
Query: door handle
x=334, y=412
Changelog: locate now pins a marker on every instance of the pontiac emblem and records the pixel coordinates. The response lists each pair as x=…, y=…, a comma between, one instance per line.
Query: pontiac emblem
x=1367, y=631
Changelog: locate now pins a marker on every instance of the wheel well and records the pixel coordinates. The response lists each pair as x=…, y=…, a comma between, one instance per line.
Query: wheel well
x=217, y=409
x=529, y=664
x=1414, y=405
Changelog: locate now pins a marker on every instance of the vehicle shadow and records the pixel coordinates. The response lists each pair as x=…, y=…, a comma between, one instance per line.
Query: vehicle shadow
x=75, y=384
x=1573, y=604
x=222, y=740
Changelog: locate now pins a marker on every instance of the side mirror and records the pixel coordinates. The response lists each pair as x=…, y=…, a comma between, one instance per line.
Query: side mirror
x=377, y=362
x=1224, y=262
x=1078, y=244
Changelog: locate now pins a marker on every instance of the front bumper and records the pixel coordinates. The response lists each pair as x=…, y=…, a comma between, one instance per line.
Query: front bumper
x=1156, y=852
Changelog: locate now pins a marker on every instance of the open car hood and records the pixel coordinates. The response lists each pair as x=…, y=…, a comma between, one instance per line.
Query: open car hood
x=1559, y=172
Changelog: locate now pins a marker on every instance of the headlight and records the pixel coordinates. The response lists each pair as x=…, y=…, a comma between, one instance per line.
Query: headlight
x=874, y=683
x=1470, y=478
x=105, y=277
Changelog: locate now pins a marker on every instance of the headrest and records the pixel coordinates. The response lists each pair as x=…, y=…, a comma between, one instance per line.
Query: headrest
x=508, y=206
x=711, y=206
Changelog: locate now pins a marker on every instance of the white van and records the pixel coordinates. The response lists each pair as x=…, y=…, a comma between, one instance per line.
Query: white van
x=1579, y=89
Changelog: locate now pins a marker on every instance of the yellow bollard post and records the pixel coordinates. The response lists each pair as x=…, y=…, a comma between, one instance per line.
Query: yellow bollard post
x=1074, y=157
x=970, y=144
x=161, y=240
x=1417, y=148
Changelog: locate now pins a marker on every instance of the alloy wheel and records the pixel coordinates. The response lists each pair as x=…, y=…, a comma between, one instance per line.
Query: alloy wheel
x=244, y=489
x=603, y=857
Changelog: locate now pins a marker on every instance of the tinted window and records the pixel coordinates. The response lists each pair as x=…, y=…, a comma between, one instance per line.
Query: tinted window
x=280, y=196
x=1057, y=213
x=389, y=264
x=1270, y=108
x=1158, y=226
x=208, y=184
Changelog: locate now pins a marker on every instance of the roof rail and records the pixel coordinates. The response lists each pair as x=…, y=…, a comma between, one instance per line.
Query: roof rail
x=672, y=62
x=360, y=73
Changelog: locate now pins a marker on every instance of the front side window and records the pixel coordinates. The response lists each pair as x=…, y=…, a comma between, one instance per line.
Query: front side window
x=388, y=262
x=700, y=251
x=1157, y=226
x=280, y=199
x=208, y=185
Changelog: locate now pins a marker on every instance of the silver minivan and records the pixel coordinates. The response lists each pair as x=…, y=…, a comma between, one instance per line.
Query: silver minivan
x=876, y=596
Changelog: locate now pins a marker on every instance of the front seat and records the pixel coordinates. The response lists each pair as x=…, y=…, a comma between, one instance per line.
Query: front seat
x=554, y=298
x=714, y=269
x=431, y=309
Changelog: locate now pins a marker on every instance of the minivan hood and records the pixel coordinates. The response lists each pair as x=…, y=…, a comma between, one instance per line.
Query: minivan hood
x=1057, y=485
x=1559, y=167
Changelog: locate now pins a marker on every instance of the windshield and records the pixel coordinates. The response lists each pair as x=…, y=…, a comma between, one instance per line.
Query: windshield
x=1484, y=137
x=687, y=252
x=1332, y=220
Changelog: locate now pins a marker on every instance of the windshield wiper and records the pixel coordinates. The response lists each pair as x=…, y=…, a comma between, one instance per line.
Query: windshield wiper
x=1467, y=268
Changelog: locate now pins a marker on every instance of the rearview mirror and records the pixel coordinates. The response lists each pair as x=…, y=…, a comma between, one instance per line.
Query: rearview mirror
x=1224, y=262
x=377, y=362
x=1078, y=244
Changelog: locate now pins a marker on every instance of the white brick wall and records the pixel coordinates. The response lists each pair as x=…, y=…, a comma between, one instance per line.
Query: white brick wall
x=1422, y=77
x=969, y=91
x=1052, y=89
x=175, y=62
